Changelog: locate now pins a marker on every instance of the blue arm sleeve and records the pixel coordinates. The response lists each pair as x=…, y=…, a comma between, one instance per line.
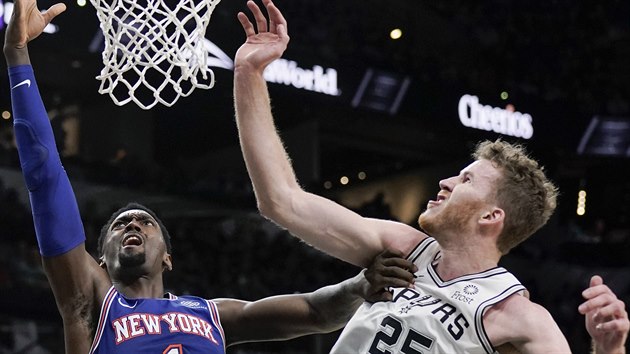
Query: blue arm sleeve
x=55, y=212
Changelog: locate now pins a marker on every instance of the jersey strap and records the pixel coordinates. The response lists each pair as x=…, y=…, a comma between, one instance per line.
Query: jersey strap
x=481, y=332
x=102, y=318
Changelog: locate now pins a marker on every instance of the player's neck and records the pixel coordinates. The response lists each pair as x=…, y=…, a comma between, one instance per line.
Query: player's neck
x=143, y=287
x=456, y=262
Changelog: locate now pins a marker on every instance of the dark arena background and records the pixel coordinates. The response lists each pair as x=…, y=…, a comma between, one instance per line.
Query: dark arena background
x=383, y=121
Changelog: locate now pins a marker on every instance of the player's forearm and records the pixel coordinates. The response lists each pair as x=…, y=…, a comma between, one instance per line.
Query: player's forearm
x=55, y=212
x=268, y=165
x=334, y=305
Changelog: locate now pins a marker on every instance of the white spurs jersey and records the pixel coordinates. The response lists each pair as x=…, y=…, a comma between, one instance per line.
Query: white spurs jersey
x=435, y=316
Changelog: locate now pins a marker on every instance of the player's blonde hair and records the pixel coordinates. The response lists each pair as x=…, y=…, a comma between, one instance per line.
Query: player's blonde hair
x=524, y=192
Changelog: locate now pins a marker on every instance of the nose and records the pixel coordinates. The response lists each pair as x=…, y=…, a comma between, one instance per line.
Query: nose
x=447, y=184
x=132, y=226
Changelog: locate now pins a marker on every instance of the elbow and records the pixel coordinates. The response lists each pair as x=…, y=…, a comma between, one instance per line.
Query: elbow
x=273, y=211
x=276, y=205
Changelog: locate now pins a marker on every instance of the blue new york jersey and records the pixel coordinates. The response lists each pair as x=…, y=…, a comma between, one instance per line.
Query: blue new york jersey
x=174, y=325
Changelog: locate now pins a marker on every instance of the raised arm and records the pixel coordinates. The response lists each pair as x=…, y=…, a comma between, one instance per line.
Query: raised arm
x=322, y=311
x=318, y=221
x=71, y=271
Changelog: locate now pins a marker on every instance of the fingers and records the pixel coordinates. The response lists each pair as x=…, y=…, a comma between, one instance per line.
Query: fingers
x=395, y=282
x=597, y=288
x=397, y=272
x=261, y=21
x=278, y=24
x=596, y=280
x=395, y=259
x=400, y=263
x=614, y=310
x=389, y=270
x=382, y=296
x=618, y=325
x=597, y=302
x=53, y=11
x=247, y=26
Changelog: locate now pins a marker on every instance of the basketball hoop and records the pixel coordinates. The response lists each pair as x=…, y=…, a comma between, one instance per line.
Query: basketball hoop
x=154, y=50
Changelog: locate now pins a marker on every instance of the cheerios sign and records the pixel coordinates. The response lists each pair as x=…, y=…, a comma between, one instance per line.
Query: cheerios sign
x=473, y=114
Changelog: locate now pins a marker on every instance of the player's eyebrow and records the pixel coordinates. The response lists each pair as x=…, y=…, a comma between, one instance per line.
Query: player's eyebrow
x=130, y=216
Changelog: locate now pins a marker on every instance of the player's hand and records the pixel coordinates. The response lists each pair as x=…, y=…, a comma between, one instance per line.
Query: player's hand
x=27, y=22
x=388, y=269
x=264, y=43
x=606, y=317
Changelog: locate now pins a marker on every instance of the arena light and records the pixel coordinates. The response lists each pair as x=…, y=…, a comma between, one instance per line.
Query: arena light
x=1, y=15
x=395, y=33
x=581, y=204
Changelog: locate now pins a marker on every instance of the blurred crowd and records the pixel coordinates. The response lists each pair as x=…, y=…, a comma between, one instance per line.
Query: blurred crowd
x=244, y=256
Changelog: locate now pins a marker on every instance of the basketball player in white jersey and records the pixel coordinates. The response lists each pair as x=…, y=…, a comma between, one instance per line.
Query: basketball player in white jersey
x=462, y=302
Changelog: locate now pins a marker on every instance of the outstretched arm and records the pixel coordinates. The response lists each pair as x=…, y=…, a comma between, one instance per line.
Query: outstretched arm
x=605, y=317
x=318, y=221
x=70, y=269
x=322, y=311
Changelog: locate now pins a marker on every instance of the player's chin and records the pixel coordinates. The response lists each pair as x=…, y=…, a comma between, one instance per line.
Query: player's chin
x=132, y=257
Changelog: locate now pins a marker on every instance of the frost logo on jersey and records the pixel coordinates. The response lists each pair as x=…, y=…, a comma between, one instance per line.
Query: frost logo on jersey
x=192, y=304
x=470, y=289
x=457, y=295
x=141, y=324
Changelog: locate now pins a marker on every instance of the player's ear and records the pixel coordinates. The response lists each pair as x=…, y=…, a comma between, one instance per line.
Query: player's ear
x=493, y=216
x=167, y=262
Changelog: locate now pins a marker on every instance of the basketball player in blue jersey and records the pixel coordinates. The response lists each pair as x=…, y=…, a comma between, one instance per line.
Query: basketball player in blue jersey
x=462, y=301
x=117, y=305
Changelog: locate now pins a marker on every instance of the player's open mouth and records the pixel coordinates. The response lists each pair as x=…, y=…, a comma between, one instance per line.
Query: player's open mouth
x=132, y=240
x=440, y=198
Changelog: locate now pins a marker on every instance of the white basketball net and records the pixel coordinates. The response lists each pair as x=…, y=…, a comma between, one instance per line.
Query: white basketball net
x=154, y=51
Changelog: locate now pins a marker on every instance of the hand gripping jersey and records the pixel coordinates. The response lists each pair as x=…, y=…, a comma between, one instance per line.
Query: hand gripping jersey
x=435, y=316
x=174, y=325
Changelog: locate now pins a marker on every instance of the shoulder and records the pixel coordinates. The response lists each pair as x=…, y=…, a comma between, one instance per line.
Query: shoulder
x=521, y=322
x=520, y=307
x=397, y=236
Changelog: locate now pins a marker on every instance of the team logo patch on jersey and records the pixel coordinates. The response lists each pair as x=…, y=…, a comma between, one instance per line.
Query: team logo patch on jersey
x=192, y=304
x=471, y=290
x=466, y=294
